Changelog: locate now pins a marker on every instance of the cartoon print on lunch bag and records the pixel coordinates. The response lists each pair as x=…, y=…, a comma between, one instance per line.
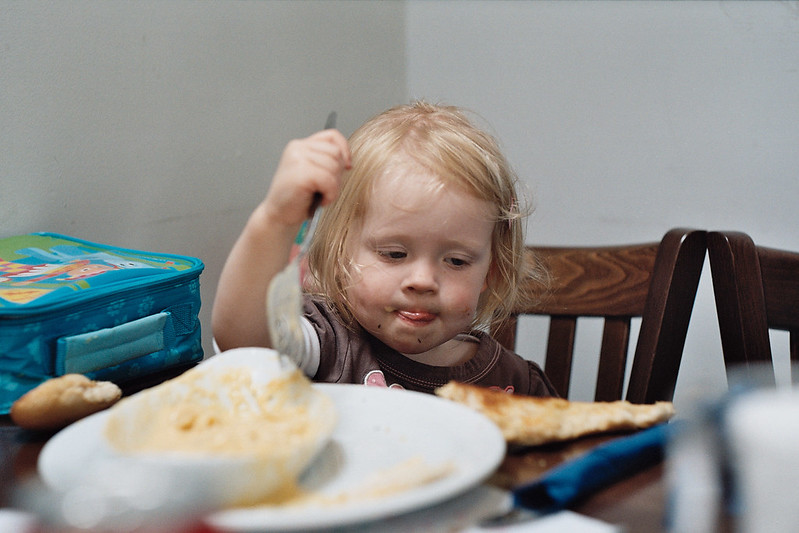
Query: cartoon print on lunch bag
x=37, y=272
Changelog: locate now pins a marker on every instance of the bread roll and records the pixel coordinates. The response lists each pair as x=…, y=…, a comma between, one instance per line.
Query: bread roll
x=60, y=401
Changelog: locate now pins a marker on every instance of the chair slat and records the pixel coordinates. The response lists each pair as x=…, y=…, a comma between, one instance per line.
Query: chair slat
x=756, y=289
x=733, y=259
x=666, y=316
x=560, y=351
x=780, y=277
x=612, y=359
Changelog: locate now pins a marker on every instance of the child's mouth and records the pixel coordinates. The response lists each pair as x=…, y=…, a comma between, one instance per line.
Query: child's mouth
x=417, y=317
x=413, y=317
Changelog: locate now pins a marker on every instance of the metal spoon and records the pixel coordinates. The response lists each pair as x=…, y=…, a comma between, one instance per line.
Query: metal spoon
x=284, y=296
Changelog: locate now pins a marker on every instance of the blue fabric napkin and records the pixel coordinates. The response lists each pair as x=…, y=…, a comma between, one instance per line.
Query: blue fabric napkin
x=601, y=467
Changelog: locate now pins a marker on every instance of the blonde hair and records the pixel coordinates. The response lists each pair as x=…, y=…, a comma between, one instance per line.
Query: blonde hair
x=443, y=141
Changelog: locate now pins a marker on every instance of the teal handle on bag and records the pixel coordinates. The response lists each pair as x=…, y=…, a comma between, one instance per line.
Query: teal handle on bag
x=106, y=347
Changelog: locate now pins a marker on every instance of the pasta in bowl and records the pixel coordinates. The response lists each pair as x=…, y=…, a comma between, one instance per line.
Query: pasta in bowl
x=245, y=423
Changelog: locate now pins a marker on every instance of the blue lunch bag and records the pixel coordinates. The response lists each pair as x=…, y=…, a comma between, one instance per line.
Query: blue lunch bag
x=73, y=306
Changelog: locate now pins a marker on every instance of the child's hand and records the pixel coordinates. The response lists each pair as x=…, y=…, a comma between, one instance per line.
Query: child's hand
x=308, y=166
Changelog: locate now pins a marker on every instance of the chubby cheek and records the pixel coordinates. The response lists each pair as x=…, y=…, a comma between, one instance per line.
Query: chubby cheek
x=469, y=312
x=464, y=305
x=372, y=318
x=368, y=298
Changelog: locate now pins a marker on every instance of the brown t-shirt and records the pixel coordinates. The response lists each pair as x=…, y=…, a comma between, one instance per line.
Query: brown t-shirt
x=354, y=356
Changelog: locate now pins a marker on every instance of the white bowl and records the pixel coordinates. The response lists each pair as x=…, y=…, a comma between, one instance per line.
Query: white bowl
x=269, y=462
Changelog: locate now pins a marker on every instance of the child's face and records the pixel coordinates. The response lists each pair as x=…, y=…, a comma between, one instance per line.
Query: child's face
x=424, y=256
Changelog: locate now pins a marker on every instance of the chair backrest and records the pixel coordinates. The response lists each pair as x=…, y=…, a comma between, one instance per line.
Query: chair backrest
x=756, y=289
x=656, y=282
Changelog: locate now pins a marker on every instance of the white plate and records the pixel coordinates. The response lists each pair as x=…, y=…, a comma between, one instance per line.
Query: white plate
x=377, y=429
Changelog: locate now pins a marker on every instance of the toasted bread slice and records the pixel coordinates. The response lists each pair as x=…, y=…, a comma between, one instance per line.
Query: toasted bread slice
x=530, y=421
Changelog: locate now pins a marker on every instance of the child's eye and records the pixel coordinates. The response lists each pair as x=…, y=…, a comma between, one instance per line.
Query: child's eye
x=393, y=255
x=457, y=262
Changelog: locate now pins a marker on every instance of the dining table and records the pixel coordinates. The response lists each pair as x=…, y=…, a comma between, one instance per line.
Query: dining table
x=637, y=503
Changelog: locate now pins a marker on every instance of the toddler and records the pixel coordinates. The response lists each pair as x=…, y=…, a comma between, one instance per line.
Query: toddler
x=417, y=253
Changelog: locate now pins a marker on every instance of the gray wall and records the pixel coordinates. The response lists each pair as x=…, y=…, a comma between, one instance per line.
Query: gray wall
x=157, y=125
x=628, y=118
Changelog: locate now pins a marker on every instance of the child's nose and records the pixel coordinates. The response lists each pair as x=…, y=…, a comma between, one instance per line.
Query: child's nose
x=421, y=277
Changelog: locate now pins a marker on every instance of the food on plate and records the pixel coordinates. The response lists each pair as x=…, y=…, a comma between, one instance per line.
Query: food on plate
x=60, y=401
x=219, y=413
x=530, y=421
x=408, y=474
x=246, y=421
x=383, y=482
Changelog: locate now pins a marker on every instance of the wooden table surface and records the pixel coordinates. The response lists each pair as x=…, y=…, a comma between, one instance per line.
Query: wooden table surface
x=637, y=503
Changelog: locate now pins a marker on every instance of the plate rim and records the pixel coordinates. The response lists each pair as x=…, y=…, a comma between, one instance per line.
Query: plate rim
x=231, y=519
x=259, y=518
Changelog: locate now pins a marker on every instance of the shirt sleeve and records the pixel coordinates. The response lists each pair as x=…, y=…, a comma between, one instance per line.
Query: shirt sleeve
x=311, y=353
x=308, y=362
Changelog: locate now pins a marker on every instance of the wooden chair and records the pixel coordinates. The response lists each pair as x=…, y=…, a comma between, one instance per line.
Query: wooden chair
x=756, y=289
x=656, y=282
